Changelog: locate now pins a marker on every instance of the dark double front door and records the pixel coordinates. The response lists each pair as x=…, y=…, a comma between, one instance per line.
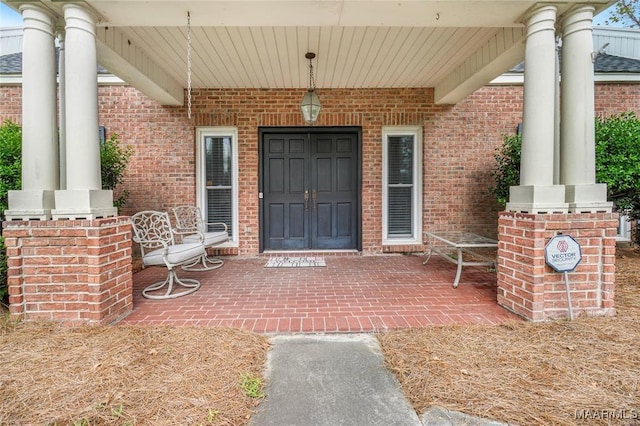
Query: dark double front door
x=310, y=190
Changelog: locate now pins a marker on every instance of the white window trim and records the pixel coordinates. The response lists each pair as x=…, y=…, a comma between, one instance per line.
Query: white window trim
x=416, y=132
x=201, y=188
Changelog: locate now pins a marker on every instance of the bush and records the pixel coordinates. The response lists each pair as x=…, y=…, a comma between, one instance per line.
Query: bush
x=113, y=162
x=10, y=161
x=507, y=172
x=617, y=162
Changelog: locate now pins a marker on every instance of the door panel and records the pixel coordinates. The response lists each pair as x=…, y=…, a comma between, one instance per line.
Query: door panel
x=323, y=167
x=334, y=176
x=285, y=178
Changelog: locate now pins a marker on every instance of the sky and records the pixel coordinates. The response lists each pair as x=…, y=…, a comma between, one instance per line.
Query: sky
x=11, y=18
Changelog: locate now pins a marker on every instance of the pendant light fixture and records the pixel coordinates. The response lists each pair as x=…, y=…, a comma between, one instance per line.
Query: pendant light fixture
x=310, y=105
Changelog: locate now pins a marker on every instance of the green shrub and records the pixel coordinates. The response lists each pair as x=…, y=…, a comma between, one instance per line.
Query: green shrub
x=507, y=171
x=113, y=161
x=617, y=140
x=618, y=160
x=10, y=161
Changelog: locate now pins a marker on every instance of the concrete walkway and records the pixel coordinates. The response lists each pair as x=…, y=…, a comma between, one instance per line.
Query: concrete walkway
x=331, y=380
x=340, y=379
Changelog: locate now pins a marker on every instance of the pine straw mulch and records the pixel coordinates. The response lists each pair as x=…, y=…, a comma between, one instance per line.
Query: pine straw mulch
x=142, y=375
x=126, y=375
x=530, y=373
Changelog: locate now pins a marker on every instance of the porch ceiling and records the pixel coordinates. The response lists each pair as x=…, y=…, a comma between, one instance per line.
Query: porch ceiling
x=454, y=46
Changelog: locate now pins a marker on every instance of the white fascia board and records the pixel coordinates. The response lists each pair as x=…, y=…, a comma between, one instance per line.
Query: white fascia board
x=617, y=78
x=508, y=79
x=103, y=79
x=11, y=80
x=517, y=79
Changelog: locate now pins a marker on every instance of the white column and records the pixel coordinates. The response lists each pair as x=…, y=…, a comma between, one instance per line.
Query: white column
x=537, y=192
x=577, y=129
x=62, y=134
x=39, y=135
x=83, y=196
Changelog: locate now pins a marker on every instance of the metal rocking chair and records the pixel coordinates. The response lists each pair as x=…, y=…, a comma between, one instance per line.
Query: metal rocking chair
x=152, y=230
x=190, y=224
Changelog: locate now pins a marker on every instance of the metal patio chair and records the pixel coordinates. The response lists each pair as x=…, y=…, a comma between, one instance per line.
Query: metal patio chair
x=190, y=224
x=152, y=230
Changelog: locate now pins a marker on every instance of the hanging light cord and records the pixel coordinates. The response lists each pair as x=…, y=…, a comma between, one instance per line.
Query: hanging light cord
x=188, y=65
x=312, y=81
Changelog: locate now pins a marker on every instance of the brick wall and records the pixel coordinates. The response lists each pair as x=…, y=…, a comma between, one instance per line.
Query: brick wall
x=11, y=104
x=532, y=289
x=458, y=146
x=70, y=271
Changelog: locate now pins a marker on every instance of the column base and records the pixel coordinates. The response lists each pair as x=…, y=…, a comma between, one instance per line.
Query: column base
x=530, y=288
x=537, y=199
x=83, y=204
x=30, y=204
x=590, y=198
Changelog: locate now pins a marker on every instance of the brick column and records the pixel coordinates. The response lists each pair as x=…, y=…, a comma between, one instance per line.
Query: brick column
x=73, y=271
x=531, y=289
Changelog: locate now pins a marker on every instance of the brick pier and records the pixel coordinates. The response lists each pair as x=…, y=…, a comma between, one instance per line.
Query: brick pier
x=74, y=271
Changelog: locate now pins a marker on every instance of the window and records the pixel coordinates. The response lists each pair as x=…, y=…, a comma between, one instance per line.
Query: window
x=217, y=176
x=402, y=185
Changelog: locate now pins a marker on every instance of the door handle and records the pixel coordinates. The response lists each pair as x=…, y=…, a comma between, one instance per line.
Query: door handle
x=306, y=200
x=314, y=195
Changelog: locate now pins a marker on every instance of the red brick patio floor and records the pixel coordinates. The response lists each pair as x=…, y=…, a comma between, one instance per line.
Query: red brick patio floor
x=350, y=294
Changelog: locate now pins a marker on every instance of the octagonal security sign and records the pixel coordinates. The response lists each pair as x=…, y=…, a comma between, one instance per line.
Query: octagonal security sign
x=562, y=253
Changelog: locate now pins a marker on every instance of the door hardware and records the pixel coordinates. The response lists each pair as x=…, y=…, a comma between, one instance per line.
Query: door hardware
x=306, y=200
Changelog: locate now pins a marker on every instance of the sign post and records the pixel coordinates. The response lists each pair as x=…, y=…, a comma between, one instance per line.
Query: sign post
x=563, y=254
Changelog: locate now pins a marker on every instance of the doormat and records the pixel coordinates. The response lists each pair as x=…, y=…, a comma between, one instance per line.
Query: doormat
x=295, y=262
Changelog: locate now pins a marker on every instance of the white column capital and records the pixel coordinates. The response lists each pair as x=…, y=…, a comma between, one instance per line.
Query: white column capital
x=541, y=19
x=78, y=17
x=35, y=17
x=580, y=19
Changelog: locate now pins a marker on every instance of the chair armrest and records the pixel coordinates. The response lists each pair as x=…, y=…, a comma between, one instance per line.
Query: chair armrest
x=224, y=225
x=188, y=231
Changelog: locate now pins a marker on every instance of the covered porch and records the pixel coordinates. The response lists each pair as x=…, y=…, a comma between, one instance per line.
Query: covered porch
x=352, y=293
x=203, y=66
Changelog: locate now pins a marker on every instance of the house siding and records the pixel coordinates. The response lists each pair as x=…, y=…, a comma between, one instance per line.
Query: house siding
x=459, y=142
